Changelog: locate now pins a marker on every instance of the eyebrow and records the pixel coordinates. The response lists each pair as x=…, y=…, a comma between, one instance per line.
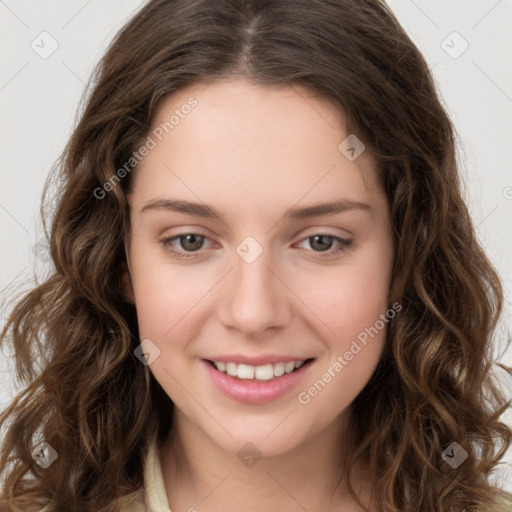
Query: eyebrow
x=209, y=212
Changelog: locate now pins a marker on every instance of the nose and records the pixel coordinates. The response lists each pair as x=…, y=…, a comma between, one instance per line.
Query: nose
x=255, y=298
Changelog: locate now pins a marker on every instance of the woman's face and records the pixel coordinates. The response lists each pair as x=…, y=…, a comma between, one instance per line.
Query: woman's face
x=266, y=275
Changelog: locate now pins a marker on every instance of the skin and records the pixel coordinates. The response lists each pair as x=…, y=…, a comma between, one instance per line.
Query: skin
x=253, y=152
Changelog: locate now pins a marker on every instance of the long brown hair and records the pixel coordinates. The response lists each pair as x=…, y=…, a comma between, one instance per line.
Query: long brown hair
x=74, y=335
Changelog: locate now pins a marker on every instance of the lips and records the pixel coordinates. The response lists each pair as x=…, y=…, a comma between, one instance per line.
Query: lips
x=255, y=391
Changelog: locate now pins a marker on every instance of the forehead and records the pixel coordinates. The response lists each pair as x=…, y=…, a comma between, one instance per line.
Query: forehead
x=239, y=135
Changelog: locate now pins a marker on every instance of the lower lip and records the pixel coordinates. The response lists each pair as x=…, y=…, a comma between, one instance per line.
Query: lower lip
x=255, y=392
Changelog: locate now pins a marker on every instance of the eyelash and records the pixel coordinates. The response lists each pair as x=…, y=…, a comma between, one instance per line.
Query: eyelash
x=344, y=244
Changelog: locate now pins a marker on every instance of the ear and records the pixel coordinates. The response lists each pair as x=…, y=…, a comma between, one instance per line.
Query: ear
x=127, y=286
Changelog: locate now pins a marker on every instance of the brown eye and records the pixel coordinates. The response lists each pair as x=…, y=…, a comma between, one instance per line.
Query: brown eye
x=191, y=242
x=189, y=245
x=323, y=243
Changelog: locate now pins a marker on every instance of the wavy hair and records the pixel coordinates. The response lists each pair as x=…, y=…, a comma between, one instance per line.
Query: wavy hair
x=74, y=334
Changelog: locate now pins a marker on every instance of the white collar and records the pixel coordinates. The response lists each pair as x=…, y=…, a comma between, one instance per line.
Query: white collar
x=152, y=497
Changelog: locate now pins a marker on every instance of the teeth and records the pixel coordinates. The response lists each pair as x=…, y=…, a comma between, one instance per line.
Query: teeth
x=289, y=367
x=264, y=372
x=279, y=369
x=245, y=371
x=231, y=369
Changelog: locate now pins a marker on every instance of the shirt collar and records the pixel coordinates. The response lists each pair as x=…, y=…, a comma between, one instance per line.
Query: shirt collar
x=155, y=494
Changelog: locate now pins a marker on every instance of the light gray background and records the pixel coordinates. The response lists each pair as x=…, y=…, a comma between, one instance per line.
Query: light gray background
x=40, y=93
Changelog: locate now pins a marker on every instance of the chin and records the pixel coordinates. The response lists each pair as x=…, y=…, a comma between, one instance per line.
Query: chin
x=266, y=437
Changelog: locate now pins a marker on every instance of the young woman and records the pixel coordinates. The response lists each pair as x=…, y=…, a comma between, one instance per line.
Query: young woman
x=267, y=291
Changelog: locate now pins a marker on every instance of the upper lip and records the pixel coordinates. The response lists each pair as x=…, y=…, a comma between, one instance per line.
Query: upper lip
x=256, y=360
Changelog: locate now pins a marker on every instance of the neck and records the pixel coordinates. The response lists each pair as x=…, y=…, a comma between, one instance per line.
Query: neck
x=199, y=474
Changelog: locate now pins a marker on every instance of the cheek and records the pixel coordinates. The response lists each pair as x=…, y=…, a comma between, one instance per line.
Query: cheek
x=163, y=294
x=350, y=298
x=353, y=309
x=162, y=309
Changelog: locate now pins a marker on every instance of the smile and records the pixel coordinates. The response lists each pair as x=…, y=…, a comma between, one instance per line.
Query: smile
x=264, y=372
x=256, y=384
